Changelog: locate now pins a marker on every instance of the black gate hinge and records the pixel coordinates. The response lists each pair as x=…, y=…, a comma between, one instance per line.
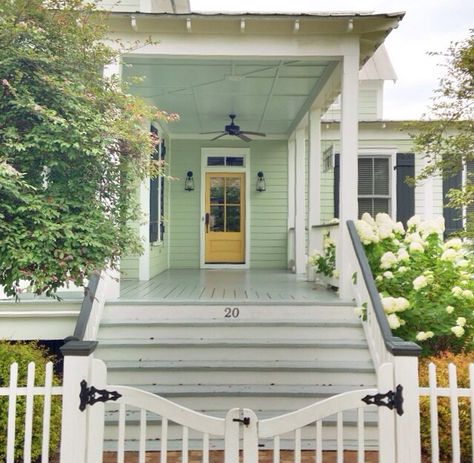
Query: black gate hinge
x=391, y=400
x=91, y=395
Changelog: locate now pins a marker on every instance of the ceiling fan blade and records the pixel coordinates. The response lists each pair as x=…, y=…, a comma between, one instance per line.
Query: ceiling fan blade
x=259, y=134
x=219, y=136
x=243, y=137
x=208, y=133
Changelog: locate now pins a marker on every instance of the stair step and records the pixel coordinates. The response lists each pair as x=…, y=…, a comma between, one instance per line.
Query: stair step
x=203, y=365
x=228, y=342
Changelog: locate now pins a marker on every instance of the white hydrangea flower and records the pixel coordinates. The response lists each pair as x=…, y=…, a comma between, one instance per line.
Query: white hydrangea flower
x=393, y=321
x=461, y=321
x=462, y=263
x=403, y=255
x=367, y=233
x=385, y=231
x=453, y=243
x=457, y=330
x=414, y=221
x=424, y=335
x=420, y=282
x=402, y=269
x=468, y=294
x=389, y=304
x=366, y=217
x=379, y=278
x=449, y=309
x=388, y=260
x=434, y=226
x=402, y=304
x=416, y=247
x=383, y=218
x=388, y=275
x=449, y=255
x=328, y=242
x=457, y=291
x=399, y=228
x=335, y=273
x=414, y=237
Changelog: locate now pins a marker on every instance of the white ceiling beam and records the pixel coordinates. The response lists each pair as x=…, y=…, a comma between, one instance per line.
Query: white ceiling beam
x=270, y=95
x=317, y=88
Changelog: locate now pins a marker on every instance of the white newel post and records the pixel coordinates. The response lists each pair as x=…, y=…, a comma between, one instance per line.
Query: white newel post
x=314, y=177
x=300, y=261
x=408, y=425
x=386, y=429
x=74, y=432
x=348, y=206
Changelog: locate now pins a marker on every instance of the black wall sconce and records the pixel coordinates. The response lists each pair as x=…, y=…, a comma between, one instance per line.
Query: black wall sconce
x=189, y=182
x=261, y=184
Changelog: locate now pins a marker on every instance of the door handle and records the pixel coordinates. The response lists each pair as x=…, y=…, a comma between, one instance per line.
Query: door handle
x=207, y=222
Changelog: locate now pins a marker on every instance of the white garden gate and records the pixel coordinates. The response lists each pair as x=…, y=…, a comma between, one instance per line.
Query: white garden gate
x=86, y=391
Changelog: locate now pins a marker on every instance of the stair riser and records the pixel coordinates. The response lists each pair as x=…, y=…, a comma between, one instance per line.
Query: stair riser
x=219, y=312
x=229, y=353
x=229, y=332
x=135, y=376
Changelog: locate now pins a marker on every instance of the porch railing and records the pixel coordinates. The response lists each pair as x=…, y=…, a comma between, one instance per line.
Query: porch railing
x=387, y=348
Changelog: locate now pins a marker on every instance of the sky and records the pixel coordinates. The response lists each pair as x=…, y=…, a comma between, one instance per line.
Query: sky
x=428, y=26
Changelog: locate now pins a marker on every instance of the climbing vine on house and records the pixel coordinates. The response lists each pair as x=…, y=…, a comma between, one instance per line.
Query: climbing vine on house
x=426, y=285
x=73, y=146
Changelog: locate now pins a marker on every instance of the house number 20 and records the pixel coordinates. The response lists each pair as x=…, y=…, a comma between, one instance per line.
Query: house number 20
x=231, y=312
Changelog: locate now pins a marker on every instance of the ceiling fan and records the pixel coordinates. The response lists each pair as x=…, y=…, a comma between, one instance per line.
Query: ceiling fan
x=233, y=129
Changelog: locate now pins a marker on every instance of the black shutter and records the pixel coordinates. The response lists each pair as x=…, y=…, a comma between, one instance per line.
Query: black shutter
x=154, y=219
x=452, y=217
x=405, y=193
x=337, y=174
x=162, y=195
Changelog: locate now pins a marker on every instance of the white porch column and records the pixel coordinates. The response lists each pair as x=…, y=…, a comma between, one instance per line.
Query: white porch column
x=348, y=207
x=314, y=177
x=144, y=231
x=300, y=261
x=112, y=290
x=291, y=202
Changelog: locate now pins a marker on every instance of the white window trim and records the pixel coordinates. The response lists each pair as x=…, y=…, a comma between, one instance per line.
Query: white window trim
x=209, y=152
x=391, y=154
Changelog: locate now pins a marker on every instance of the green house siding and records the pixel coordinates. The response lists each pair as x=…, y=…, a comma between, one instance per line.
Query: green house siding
x=268, y=210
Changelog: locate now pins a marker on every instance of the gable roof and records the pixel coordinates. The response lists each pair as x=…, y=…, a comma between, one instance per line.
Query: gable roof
x=379, y=67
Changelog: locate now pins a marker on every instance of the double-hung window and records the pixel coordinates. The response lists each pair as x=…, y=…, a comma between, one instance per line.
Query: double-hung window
x=374, y=191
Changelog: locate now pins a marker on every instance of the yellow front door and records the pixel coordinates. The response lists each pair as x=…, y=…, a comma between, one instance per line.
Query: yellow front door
x=224, y=218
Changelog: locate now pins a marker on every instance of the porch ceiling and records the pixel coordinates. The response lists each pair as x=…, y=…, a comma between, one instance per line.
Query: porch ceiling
x=266, y=95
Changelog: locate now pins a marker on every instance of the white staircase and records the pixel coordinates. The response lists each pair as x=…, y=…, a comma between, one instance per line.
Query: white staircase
x=271, y=358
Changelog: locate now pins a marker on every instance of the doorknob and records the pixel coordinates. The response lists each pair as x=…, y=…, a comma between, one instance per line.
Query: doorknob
x=207, y=222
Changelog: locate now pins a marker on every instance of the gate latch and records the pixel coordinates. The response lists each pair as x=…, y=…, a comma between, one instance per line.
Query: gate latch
x=245, y=420
x=391, y=400
x=91, y=395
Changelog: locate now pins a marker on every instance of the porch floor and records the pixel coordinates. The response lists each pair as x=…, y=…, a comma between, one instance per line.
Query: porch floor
x=225, y=285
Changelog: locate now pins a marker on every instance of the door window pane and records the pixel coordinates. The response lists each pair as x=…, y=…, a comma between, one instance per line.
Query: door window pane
x=233, y=219
x=217, y=190
x=216, y=219
x=233, y=190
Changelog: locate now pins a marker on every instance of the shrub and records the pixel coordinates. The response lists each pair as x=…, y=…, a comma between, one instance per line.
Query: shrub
x=426, y=286
x=24, y=353
x=462, y=362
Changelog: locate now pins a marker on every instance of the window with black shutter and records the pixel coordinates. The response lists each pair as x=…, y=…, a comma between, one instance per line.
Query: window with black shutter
x=157, y=194
x=405, y=168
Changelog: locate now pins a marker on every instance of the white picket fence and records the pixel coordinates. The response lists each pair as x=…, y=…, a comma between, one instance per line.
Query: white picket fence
x=31, y=391
x=453, y=392
x=190, y=420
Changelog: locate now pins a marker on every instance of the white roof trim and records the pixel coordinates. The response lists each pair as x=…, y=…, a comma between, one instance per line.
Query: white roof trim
x=378, y=67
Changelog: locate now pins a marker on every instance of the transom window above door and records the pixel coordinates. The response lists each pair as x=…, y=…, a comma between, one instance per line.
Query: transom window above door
x=374, y=185
x=229, y=161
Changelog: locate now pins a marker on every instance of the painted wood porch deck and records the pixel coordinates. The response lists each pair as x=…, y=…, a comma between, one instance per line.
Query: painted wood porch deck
x=226, y=285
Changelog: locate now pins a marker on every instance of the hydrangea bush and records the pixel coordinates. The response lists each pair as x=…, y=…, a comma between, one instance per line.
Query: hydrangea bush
x=426, y=285
x=324, y=262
